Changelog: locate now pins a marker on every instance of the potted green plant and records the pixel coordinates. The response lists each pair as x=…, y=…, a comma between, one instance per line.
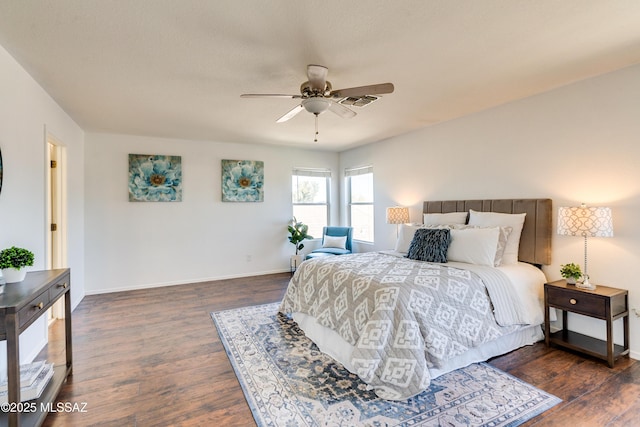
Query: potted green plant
x=571, y=272
x=297, y=234
x=12, y=263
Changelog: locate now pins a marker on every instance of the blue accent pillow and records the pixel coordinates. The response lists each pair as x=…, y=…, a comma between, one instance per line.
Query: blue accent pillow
x=430, y=245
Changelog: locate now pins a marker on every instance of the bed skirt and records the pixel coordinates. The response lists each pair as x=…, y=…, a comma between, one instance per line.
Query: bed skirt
x=334, y=345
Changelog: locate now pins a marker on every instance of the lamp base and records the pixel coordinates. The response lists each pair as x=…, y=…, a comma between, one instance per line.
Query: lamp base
x=586, y=285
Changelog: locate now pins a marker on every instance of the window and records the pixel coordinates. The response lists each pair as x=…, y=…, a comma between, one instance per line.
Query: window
x=360, y=202
x=310, y=197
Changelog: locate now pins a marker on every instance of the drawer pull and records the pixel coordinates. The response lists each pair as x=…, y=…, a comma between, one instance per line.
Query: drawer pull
x=64, y=285
x=39, y=306
x=573, y=301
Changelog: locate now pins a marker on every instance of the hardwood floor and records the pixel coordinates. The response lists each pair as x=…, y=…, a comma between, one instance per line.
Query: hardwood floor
x=153, y=358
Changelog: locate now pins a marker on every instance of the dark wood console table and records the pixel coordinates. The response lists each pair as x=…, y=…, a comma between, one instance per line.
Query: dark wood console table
x=21, y=304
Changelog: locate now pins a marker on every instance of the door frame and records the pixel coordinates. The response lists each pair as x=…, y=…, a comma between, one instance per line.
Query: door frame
x=55, y=207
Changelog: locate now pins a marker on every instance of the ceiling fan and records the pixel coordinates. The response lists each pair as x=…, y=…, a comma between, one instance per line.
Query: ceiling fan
x=318, y=96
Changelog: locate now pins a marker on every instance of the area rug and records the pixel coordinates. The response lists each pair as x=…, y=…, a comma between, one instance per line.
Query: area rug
x=287, y=381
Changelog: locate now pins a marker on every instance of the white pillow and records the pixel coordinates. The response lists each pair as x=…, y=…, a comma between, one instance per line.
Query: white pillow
x=474, y=245
x=444, y=218
x=405, y=236
x=339, y=242
x=406, y=233
x=502, y=240
x=496, y=219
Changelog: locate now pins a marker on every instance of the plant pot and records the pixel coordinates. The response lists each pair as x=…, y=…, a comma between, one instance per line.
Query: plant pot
x=12, y=275
x=571, y=280
x=296, y=260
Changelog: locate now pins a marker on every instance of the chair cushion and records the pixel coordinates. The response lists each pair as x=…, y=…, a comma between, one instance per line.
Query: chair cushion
x=333, y=251
x=318, y=255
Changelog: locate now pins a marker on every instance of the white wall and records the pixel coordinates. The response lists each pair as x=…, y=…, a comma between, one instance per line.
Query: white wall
x=27, y=113
x=579, y=143
x=135, y=245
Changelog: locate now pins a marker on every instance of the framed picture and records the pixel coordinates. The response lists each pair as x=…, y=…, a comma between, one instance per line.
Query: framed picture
x=155, y=178
x=242, y=181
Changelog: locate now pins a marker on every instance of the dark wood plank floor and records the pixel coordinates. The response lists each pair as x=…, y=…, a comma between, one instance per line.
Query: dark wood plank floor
x=153, y=358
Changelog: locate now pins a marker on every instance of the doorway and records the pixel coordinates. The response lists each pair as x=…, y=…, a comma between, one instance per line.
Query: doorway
x=55, y=227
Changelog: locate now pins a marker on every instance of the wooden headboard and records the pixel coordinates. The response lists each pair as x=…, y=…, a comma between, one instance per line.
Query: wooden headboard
x=535, y=241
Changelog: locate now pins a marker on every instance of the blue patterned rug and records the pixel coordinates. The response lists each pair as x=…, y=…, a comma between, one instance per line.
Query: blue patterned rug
x=287, y=381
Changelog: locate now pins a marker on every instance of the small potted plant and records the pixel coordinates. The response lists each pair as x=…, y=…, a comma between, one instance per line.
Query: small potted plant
x=297, y=233
x=12, y=263
x=571, y=272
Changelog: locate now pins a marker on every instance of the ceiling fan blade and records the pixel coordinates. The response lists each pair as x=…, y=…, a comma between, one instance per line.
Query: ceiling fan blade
x=290, y=114
x=341, y=110
x=269, y=95
x=317, y=75
x=363, y=90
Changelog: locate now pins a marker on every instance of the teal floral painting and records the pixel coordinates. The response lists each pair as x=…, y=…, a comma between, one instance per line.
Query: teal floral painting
x=242, y=181
x=155, y=178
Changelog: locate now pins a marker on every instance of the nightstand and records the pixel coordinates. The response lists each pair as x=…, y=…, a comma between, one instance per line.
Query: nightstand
x=604, y=303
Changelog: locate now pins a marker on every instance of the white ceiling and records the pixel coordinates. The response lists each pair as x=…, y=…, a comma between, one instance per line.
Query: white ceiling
x=176, y=68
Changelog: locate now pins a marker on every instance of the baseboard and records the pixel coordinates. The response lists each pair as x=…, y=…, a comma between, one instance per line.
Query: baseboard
x=182, y=282
x=34, y=351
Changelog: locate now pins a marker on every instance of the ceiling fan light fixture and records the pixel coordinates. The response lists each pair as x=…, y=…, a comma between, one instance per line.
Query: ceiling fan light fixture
x=316, y=105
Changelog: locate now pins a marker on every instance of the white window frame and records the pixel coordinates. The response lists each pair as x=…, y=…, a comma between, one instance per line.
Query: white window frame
x=348, y=173
x=323, y=173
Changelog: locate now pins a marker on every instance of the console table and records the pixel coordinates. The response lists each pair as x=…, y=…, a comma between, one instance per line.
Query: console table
x=21, y=304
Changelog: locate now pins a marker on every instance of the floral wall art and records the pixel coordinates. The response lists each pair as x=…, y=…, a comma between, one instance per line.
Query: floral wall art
x=155, y=178
x=242, y=181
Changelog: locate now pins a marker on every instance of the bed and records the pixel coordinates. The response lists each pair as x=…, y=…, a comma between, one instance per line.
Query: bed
x=400, y=318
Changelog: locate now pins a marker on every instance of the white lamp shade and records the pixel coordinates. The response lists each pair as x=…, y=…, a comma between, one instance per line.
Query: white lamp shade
x=585, y=221
x=397, y=215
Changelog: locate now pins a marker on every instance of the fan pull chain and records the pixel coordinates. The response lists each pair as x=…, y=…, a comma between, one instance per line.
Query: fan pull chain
x=315, y=139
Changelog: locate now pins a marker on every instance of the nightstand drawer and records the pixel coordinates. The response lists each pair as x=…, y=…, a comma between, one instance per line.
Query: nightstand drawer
x=577, y=302
x=33, y=308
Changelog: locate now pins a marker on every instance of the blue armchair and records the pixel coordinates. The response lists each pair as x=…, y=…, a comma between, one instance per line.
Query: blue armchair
x=327, y=248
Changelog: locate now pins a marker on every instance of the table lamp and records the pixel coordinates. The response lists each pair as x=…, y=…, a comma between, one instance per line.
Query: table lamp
x=587, y=222
x=397, y=215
